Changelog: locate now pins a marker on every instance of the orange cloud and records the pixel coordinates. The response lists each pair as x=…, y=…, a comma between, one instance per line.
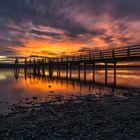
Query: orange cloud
x=45, y=48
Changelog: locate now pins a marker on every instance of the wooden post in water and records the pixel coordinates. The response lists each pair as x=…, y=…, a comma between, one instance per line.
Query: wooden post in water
x=16, y=63
x=50, y=69
x=25, y=63
x=16, y=69
x=34, y=67
x=43, y=67
x=38, y=67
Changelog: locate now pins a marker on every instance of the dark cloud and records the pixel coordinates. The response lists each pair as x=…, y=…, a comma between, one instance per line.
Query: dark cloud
x=107, y=38
x=44, y=33
x=63, y=15
x=129, y=9
x=87, y=49
x=55, y=13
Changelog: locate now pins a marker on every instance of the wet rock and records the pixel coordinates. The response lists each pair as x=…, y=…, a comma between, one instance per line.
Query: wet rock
x=27, y=99
x=85, y=117
x=34, y=98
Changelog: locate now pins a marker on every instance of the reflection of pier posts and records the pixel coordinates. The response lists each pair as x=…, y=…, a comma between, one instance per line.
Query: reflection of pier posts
x=16, y=73
x=16, y=64
x=84, y=71
x=73, y=85
x=70, y=71
x=38, y=69
x=25, y=68
x=89, y=88
x=34, y=67
x=25, y=73
x=115, y=73
x=16, y=69
x=57, y=69
x=105, y=73
x=81, y=86
x=67, y=69
x=93, y=73
x=25, y=63
x=29, y=65
x=50, y=69
x=79, y=71
x=43, y=67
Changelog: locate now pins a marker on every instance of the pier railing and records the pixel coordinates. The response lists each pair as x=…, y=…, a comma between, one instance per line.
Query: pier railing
x=129, y=52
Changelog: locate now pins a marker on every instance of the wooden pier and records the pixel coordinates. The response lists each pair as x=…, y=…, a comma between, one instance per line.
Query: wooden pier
x=81, y=61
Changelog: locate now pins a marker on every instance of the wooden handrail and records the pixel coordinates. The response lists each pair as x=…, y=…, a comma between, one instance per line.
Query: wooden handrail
x=105, y=54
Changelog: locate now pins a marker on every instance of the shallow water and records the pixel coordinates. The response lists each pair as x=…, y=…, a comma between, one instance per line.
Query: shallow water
x=16, y=86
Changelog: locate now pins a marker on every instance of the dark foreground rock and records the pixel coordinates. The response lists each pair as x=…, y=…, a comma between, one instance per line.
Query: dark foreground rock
x=76, y=118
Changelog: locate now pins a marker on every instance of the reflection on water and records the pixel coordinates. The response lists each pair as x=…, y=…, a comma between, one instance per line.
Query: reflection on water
x=18, y=84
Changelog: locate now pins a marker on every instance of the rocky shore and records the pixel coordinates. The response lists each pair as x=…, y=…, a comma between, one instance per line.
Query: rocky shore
x=75, y=118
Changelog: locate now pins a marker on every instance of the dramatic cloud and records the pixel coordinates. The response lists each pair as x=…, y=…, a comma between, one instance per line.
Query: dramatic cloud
x=55, y=27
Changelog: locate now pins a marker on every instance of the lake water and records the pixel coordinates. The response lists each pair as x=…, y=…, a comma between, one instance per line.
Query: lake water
x=16, y=86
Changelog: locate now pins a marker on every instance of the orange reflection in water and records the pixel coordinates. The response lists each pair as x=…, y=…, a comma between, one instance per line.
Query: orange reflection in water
x=13, y=90
x=45, y=85
x=42, y=86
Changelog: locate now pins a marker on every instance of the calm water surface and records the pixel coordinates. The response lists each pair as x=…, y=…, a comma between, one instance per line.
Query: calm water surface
x=17, y=86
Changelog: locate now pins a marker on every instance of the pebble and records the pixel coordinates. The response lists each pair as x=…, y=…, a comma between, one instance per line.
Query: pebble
x=35, y=98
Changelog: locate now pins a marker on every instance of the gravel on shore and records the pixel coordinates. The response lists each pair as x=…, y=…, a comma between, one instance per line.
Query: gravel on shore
x=76, y=118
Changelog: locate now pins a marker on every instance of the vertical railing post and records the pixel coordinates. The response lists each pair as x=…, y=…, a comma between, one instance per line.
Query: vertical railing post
x=61, y=59
x=89, y=56
x=93, y=56
x=81, y=57
x=85, y=57
x=25, y=63
x=34, y=66
x=73, y=58
x=113, y=54
x=100, y=55
x=128, y=52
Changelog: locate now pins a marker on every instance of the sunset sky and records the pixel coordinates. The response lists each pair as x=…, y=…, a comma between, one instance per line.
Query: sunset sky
x=59, y=27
